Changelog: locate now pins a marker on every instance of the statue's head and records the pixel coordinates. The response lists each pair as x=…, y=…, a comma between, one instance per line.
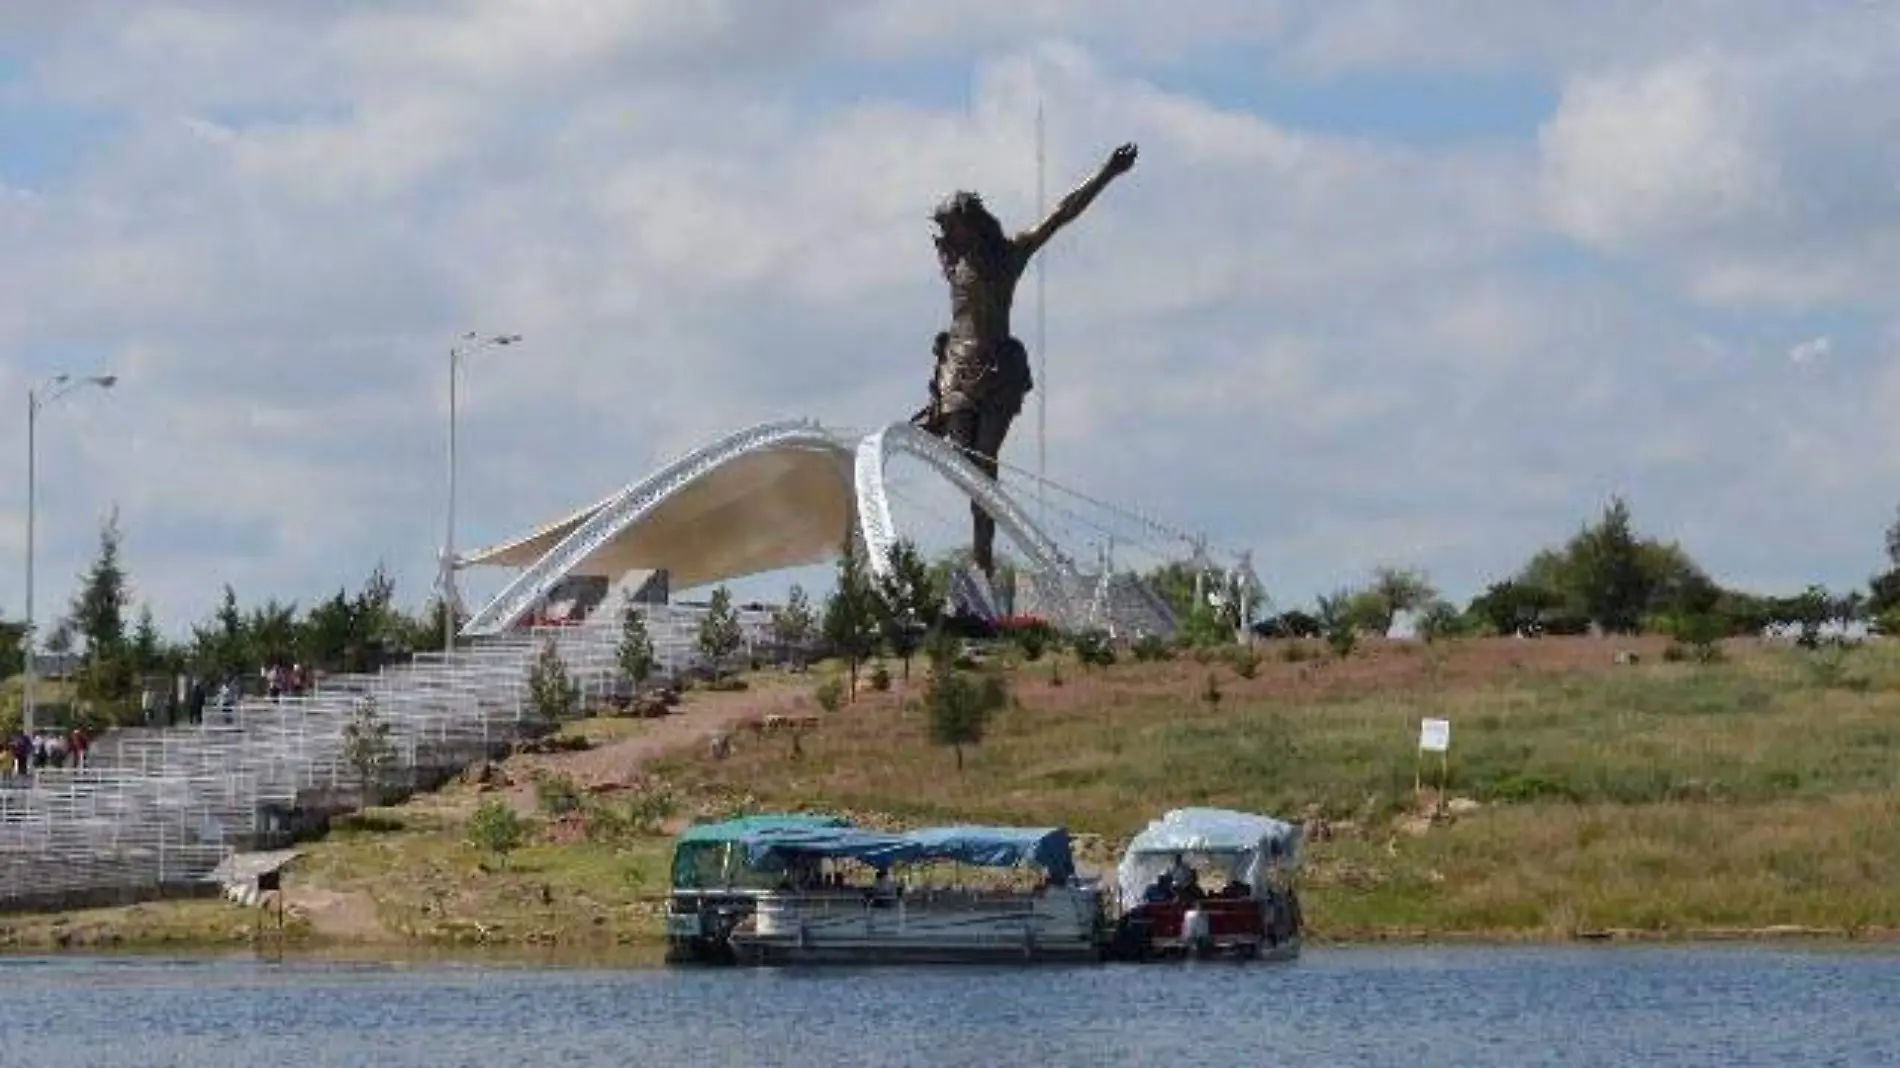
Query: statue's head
x=964, y=224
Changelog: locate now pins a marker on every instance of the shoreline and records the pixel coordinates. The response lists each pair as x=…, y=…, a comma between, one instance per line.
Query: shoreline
x=90, y=934
x=1747, y=801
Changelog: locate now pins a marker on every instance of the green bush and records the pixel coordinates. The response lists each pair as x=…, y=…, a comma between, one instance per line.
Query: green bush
x=1033, y=641
x=556, y=794
x=1093, y=649
x=1342, y=638
x=497, y=829
x=1245, y=662
x=830, y=694
x=1150, y=648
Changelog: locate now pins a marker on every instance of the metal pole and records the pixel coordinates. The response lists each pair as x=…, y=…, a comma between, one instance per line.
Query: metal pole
x=1042, y=343
x=448, y=541
x=27, y=640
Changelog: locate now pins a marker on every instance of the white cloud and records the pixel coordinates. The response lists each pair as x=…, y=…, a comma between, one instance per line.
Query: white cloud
x=1810, y=350
x=1338, y=350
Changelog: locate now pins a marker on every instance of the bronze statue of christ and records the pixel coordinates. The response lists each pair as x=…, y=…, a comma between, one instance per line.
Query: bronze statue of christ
x=982, y=370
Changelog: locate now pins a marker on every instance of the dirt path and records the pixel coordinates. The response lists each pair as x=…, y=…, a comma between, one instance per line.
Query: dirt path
x=701, y=717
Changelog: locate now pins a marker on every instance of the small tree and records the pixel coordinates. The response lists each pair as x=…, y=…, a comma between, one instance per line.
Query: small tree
x=792, y=625
x=553, y=696
x=148, y=653
x=1439, y=619
x=851, y=616
x=635, y=655
x=906, y=602
x=497, y=829
x=1402, y=590
x=366, y=747
x=12, y=648
x=960, y=703
x=719, y=633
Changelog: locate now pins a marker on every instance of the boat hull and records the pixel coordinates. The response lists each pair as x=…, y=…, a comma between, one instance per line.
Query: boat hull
x=1057, y=925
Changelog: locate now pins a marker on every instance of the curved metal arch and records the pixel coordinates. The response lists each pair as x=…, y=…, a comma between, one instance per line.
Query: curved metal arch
x=634, y=503
x=878, y=533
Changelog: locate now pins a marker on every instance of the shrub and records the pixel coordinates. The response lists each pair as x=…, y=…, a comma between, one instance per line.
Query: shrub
x=1700, y=635
x=1033, y=643
x=1245, y=662
x=830, y=694
x=1032, y=634
x=880, y=678
x=1149, y=648
x=1092, y=648
x=1438, y=619
x=1342, y=638
x=642, y=814
x=497, y=829
x=556, y=794
x=1210, y=691
x=960, y=704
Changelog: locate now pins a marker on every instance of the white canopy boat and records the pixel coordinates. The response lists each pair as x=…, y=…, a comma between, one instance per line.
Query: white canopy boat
x=1167, y=908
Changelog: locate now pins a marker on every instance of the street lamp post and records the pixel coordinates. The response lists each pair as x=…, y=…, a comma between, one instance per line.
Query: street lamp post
x=46, y=393
x=469, y=344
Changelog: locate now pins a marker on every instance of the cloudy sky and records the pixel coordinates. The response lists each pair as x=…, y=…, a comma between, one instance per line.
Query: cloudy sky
x=1418, y=283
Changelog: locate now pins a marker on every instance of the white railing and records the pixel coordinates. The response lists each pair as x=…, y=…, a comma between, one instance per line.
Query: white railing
x=165, y=806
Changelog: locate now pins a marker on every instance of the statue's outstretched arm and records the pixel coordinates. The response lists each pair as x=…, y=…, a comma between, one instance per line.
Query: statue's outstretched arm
x=1071, y=206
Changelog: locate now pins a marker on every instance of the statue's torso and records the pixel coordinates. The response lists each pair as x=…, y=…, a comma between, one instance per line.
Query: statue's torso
x=981, y=364
x=982, y=291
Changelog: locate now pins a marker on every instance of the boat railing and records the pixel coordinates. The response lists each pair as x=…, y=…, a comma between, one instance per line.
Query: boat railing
x=821, y=903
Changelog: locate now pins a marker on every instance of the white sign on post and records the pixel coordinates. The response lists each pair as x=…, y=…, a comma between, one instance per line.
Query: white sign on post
x=1434, y=735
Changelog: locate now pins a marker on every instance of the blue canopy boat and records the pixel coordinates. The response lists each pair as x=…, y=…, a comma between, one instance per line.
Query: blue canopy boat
x=819, y=890
x=715, y=889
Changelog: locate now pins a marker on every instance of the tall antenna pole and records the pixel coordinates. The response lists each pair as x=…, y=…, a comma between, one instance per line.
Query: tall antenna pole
x=1042, y=343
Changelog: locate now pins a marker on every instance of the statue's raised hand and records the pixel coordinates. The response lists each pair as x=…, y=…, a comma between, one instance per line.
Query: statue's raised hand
x=1122, y=159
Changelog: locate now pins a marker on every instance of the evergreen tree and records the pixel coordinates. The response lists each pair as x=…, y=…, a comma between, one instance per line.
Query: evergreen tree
x=719, y=633
x=554, y=697
x=792, y=624
x=99, y=610
x=98, y=613
x=906, y=601
x=59, y=641
x=850, y=622
x=148, y=652
x=959, y=703
x=366, y=747
x=635, y=655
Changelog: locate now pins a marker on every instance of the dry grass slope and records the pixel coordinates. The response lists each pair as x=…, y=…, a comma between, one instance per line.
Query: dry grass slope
x=1662, y=798
x=1657, y=797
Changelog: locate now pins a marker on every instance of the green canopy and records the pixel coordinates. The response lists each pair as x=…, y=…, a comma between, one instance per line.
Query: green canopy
x=703, y=839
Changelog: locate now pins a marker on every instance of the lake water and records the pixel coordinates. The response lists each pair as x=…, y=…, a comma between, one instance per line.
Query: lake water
x=1412, y=1007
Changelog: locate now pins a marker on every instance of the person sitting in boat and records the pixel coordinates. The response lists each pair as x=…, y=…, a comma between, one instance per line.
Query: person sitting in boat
x=1180, y=874
x=1236, y=889
x=1161, y=891
x=1189, y=889
x=883, y=889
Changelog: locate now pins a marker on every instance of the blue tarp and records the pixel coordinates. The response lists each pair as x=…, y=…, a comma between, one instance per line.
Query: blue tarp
x=992, y=847
x=701, y=843
x=737, y=828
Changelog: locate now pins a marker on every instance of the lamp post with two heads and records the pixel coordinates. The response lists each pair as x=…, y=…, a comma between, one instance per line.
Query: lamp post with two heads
x=469, y=344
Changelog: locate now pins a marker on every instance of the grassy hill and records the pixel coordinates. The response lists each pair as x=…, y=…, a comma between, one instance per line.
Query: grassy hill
x=1760, y=791
x=1659, y=798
